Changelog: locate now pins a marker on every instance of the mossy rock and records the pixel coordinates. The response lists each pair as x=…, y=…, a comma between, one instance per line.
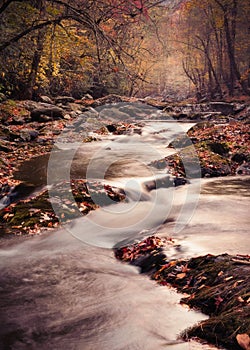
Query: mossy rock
x=219, y=148
x=222, y=330
x=218, y=286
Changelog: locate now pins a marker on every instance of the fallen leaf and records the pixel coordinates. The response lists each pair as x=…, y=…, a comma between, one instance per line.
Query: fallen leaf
x=184, y=268
x=218, y=301
x=228, y=278
x=202, y=286
x=240, y=299
x=244, y=341
x=237, y=282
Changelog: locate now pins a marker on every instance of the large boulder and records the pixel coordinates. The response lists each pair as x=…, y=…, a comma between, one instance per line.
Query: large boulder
x=46, y=99
x=223, y=107
x=109, y=99
x=28, y=135
x=64, y=99
x=46, y=112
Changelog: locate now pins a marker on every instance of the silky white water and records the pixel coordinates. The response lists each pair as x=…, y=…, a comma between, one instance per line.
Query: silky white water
x=65, y=289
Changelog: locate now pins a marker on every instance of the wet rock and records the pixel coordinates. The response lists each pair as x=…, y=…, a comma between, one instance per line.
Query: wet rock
x=223, y=107
x=28, y=134
x=87, y=97
x=75, y=107
x=151, y=262
x=10, y=194
x=156, y=103
x=67, y=116
x=111, y=127
x=160, y=182
x=221, y=170
x=146, y=254
x=179, y=181
x=110, y=99
x=46, y=99
x=114, y=113
x=243, y=169
x=46, y=112
x=244, y=115
x=2, y=97
x=5, y=147
x=64, y=99
x=239, y=107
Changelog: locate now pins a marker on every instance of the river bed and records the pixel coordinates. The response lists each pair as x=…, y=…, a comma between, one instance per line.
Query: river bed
x=66, y=290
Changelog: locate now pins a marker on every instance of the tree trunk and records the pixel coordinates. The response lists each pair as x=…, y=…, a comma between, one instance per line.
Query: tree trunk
x=30, y=91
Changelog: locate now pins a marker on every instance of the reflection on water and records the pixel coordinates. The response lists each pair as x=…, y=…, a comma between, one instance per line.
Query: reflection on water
x=220, y=223
x=239, y=186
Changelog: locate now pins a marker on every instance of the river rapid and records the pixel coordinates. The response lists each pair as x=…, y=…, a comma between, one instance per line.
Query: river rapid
x=66, y=290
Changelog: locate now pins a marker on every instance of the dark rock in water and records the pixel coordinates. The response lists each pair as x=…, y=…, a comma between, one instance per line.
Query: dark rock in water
x=147, y=254
x=150, y=262
x=12, y=194
x=219, y=170
x=179, y=181
x=223, y=107
x=64, y=99
x=161, y=182
x=51, y=112
x=111, y=127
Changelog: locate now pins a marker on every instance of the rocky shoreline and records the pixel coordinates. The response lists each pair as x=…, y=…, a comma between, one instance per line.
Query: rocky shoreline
x=219, y=286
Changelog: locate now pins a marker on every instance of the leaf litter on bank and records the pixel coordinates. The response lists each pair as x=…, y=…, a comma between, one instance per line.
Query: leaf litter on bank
x=70, y=200
x=219, y=286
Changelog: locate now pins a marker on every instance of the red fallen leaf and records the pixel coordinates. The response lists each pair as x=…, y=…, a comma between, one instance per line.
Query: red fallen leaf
x=243, y=340
x=164, y=283
x=218, y=301
x=7, y=209
x=184, y=268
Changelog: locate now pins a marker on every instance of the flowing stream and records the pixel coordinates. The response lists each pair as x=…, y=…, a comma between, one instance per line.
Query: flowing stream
x=65, y=290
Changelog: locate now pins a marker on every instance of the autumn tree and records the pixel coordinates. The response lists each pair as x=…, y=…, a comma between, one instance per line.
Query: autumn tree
x=54, y=45
x=215, y=41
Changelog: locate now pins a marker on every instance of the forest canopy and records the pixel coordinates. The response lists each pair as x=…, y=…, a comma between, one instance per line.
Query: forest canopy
x=129, y=47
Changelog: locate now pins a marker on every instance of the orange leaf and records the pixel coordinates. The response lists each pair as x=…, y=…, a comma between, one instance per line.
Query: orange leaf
x=244, y=341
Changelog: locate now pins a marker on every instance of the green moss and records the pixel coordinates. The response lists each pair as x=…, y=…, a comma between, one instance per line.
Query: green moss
x=218, y=286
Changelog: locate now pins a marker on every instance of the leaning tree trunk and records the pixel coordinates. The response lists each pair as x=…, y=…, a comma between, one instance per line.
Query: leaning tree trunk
x=36, y=57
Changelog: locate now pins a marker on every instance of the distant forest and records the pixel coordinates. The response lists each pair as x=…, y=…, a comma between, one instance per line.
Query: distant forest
x=127, y=47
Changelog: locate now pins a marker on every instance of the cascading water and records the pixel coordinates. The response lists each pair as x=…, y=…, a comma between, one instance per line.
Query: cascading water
x=65, y=290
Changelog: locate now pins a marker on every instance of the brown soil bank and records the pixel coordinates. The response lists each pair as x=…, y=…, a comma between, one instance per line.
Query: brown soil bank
x=219, y=286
